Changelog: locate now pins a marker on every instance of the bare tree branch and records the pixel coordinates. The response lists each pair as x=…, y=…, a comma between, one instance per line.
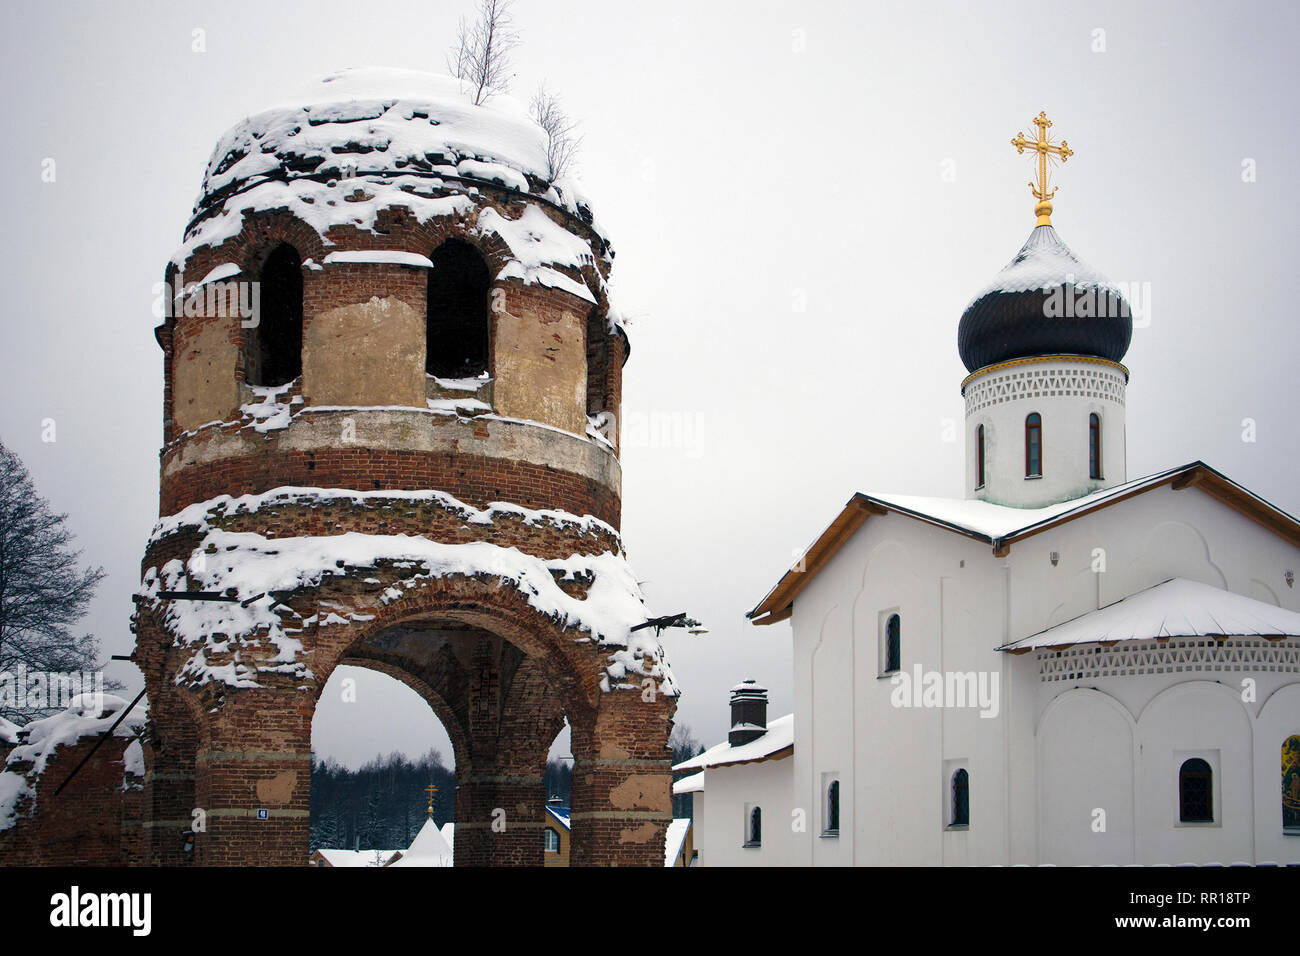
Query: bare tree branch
x=480, y=58
x=562, y=143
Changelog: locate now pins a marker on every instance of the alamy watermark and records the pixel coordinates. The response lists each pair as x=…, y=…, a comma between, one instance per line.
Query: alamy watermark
x=220, y=298
x=947, y=689
x=22, y=689
x=1113, y=301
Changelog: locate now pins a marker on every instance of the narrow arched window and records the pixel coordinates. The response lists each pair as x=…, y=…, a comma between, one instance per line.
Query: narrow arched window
x=274, y=354
x=552, y=841
x=754, y=828
x=1033, y=445
x=961, y=798
x=979, y=457
x=1195, y=792
x=833, y=807
x=1094, y=445
x=456, y=321
x=893, y=644
x=1291, y=783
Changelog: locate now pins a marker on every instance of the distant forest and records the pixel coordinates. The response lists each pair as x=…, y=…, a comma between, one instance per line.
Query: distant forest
x=382, y=805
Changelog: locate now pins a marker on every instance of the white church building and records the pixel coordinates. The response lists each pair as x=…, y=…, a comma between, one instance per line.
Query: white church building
x=1065, y=666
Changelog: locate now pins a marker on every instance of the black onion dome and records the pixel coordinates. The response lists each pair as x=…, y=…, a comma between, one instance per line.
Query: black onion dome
x=1045, y=302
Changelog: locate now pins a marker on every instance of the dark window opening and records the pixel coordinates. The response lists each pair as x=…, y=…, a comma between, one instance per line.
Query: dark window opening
x=979, y=457
x=275, y=357
x=456, y=323
x=961, y=799
x=1033, y=445
x=1195, y=796
x=755, y=827
x=893, y=643
x=833, y=807
x=1094, y=446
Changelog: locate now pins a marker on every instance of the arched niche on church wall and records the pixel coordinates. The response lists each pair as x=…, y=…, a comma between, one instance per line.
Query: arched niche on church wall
x=1195, y=719
x=1086, y=752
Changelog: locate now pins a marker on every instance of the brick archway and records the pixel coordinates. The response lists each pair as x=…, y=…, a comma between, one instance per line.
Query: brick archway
x=500, y=675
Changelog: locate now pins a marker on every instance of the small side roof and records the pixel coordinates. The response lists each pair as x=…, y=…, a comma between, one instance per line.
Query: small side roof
x=1001, y=526
x=1175, y=608
x=674, y=839
x=776, y=744
x=692, y=784
x=561, y=815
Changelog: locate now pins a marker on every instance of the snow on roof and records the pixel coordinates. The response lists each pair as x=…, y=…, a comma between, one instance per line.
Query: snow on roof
x=1176, y=608
x=449, y=833
x=87, y=715
x=692, y=784
x=1045, y=261
x=561, y=815
x=249, y=565
x=8, y=731
x=427, y=849
x=348, y=858
x=991, y=521
x=676, y=836
x=779, y=736
x=1001, y=525
x=341, y=150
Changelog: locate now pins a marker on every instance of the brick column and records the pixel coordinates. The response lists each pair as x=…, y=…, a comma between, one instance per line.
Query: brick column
x=499, y=818
x=254, y=755
x=622, y=782
x=169, y=779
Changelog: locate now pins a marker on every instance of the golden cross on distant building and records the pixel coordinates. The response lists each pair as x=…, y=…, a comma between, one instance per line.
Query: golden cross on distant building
x=1046, y=150
x=430, y=790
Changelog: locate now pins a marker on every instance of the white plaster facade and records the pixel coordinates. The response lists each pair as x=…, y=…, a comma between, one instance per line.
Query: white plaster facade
x=1060, y=742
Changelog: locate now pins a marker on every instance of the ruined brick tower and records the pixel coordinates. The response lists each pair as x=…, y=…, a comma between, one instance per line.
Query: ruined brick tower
x=391, y=379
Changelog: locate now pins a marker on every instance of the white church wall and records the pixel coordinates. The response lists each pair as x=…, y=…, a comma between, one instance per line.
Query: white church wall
x=721, y=813
x=958, y=602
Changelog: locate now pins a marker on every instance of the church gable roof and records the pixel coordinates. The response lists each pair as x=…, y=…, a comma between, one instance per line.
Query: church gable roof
x=1176, y=608
x=1001, y=526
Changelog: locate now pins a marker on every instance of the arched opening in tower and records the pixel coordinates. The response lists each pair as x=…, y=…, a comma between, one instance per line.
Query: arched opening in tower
x=457, y=317
x=276, y=355
x=381, y=760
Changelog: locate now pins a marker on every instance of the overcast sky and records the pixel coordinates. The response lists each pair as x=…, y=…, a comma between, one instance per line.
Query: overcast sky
x=802, y=198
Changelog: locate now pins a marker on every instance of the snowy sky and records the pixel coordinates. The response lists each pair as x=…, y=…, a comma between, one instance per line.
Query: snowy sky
x=802, y=196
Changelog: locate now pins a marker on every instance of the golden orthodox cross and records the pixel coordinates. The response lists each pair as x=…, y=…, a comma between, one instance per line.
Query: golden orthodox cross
x=430, y=790
x=1046, y=150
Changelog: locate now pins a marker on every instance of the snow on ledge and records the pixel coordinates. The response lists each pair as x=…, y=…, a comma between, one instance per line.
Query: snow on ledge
x=87, y=715
x=247, y=565
x=380, y=256
x=199, y=515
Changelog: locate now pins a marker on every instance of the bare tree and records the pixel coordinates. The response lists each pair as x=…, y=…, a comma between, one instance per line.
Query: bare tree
x=562, y=141
x=481, y=54
x=42, y=591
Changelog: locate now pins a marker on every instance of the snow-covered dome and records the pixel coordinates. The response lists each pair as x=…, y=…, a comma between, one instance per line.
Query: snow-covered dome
x=1045, y=302
x=408, y=128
